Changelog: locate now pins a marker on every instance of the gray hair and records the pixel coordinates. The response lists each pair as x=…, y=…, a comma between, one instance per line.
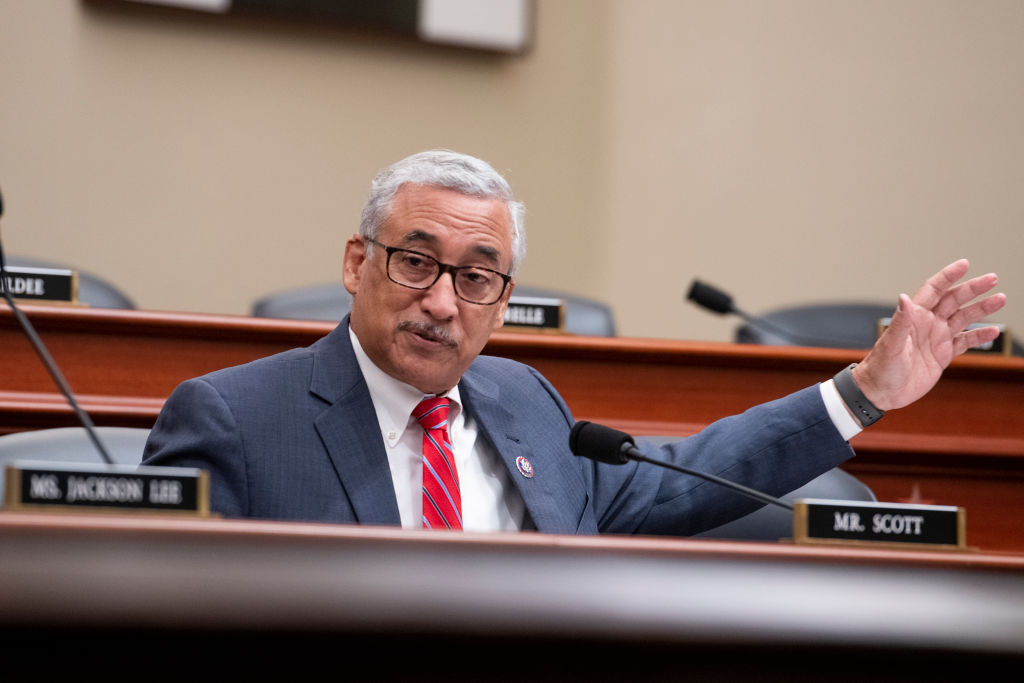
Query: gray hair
x=449, y=170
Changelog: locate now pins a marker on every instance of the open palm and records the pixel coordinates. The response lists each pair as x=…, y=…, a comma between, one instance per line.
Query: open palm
x=927, y=332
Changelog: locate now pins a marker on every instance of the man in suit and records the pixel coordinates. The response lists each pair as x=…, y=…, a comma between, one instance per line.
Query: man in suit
x=329, y=433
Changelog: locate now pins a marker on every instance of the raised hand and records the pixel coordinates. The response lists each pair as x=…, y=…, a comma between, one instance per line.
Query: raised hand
x=927, y=332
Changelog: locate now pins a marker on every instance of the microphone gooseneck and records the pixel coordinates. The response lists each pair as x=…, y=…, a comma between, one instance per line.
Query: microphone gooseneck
x=607, y=445
x=47, y=359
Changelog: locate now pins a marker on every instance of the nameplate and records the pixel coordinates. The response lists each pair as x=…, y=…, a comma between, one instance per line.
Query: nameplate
x=857, y=523
x=121, y=488
x=535, y=313
x=42, y=284
x=1000, y=346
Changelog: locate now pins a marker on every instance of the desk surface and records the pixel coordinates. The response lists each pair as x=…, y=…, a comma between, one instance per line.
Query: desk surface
x=154, y=582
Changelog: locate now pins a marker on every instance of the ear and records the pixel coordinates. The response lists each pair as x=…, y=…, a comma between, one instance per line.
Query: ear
x=502, y=305
x=352, y=267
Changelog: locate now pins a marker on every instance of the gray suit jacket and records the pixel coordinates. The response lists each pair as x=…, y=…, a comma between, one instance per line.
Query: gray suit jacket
x=295, y=437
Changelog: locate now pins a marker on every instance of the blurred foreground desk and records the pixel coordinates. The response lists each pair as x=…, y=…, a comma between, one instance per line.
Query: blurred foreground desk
x=123, y=598
x=963, y=444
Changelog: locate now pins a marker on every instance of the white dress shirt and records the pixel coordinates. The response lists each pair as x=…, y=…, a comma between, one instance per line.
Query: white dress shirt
x=848, y=427
x=490, y=500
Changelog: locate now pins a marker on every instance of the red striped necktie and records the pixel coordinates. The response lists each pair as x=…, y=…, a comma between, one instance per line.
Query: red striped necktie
x=442, y=501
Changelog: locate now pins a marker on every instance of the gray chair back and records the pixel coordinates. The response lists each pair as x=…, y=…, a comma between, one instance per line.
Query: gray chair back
x=772, y=523
x=839, y=325
x=582, y=315
x=72, y=444
x=844, y=326
x=331, y=302
x=326, y=301
x=92, y=290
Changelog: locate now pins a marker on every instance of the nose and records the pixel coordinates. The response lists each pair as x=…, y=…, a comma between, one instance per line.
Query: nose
x=440, y=300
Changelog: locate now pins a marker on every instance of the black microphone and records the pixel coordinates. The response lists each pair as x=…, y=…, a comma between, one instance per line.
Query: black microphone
x=711, y=298
x=715, y=300
x=607, y=445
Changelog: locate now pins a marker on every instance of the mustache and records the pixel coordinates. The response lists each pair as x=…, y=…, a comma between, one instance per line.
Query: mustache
x=434, y=332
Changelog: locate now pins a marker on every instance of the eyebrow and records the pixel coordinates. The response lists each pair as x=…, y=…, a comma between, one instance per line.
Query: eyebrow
x=414, y=237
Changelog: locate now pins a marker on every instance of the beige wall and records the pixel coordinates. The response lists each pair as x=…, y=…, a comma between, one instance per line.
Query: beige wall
x=788, y=149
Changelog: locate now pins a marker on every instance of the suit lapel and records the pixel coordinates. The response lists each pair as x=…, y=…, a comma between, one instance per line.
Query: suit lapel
x=514, y=445
x=349, y=430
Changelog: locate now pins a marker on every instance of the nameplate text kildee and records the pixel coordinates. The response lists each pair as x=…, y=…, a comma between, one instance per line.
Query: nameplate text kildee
x=42, y=284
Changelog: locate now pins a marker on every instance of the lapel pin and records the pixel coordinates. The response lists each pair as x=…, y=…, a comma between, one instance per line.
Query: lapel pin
x=524, y=467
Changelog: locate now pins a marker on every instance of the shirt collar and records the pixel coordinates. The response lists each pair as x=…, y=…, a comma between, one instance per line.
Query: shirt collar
x=394, y=400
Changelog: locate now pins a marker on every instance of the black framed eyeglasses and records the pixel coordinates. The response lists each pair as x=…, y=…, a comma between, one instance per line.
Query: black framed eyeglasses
x=416, y=270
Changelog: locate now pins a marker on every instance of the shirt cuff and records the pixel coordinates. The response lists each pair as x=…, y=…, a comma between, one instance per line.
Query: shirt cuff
x=841, y=418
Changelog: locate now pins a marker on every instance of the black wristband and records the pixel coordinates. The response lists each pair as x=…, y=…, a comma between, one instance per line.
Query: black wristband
x=855, y=399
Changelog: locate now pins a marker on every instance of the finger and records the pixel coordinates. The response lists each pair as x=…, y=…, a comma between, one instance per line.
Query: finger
x=898, y=331
x=938, y=285
x=971, y=338
x=963, y=293
x=976, y=312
